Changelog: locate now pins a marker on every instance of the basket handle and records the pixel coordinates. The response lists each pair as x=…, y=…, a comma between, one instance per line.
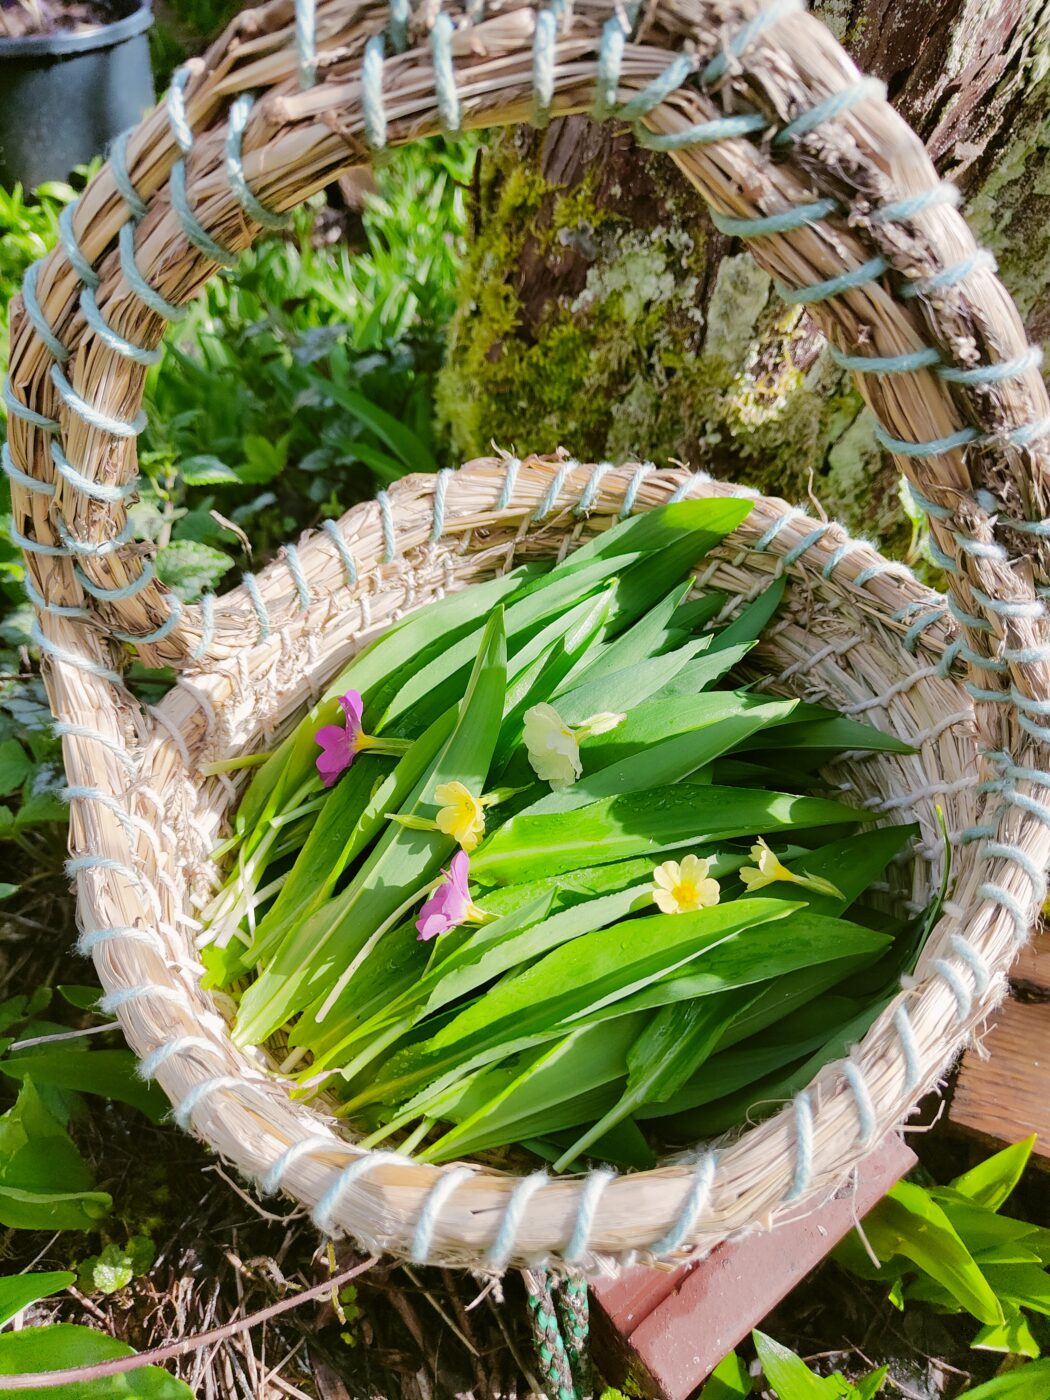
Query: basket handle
x=744, y=96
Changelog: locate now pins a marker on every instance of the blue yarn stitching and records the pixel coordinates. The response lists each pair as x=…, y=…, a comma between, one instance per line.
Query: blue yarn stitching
x=782, y=222
x=869, y=271
x=96, y=490
x=681, y=67
x=250, y=203
x=251, y=583
x=590, y=491
x=332, y=530
x=913, y=204
x=629, y=496
x=797, y=551
x=72, y=658
x=118, y=164
x=906, y=1035
x=510, y=477
x=159, y=633
x=31, y=483
x=138, y=284
x=95, y=418
x=56, y=609
x=553, y=490
x=200, y=648
x=191, y=226
x=607, y=79
x=994, y=374
x=503, y=1245
x=27, y=414
x=74, y=253
x=830, y=107
x=590, y=1193
x=696, y=1199
x=444, y=73
x=270, y=1181
x=176, y=110
x=961, y=992
x=400, y=12
x=907, y=363
x=949, y=276
x=387, y=520
x=115, y=595
x=544, y=39
x=862, y=1098
x=440, y=487
x=295, y=568
x=436, y=1197
x=111, y=338
x=703, y=133
x=373, y=107
x=306, y=41
x=36, y=315
x=746, y=36
x=968, y=619
x=803, y=1147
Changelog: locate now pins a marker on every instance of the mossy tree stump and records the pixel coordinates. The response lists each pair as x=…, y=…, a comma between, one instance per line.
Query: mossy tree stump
x=601, y=310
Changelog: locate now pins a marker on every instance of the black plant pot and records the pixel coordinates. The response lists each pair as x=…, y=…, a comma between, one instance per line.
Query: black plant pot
x=64, y=96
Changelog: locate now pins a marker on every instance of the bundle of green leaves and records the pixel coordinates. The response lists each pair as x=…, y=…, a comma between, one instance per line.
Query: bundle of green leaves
x=528, y=874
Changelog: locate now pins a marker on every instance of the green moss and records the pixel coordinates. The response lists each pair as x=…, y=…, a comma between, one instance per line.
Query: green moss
x=633, y=355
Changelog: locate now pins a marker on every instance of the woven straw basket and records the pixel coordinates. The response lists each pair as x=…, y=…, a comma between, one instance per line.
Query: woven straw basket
x=792, y=151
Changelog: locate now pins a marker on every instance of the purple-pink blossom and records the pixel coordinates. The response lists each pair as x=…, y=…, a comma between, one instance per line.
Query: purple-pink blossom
x=450, y=904
x=339, y=743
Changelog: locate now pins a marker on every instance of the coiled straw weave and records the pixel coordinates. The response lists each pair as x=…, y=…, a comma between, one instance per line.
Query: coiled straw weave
x=793, y=152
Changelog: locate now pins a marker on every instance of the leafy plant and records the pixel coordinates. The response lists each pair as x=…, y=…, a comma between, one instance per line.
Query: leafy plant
x=949, y=1247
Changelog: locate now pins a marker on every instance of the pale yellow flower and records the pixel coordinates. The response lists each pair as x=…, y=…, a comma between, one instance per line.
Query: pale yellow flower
x=768, y=870
x=462, y=815
x=682, y=887
x=554, y=746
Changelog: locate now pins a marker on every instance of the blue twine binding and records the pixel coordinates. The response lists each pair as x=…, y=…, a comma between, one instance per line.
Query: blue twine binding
x=590, y=492
x=782, y=222
x=118, y=164
x=251, y=584
x=446, y=1184
x=544, y=39
x=502, y=1246
x=440, y=487
x=306, y=41
x=510, y=476
x=67, y=234
x=96, y=490
x=176, y=109
x=829, y=108
x=747, y=35
x=703, y=133
x=111, y=338
x=590, y=1194
x=250, y=203
x=27, y=414
x=386, y=517
x=40, y=488
x=333, y=532
x=400, y=12
x=119, y=594
x=951, y=276
x=696, y=1199
x=295, y=568
x=147, y=294
x=681, y=67
x=373, y=107
x=93, y=417
x=913, y=204
x=191, y=226
x=444, y=73
x=159, y=633
x=907, y=363
x=803, y=1147
x=36, y=316
x=869, y=271
x=607, y=80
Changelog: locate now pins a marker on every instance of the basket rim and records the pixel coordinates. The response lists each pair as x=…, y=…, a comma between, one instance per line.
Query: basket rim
x=406, y=1208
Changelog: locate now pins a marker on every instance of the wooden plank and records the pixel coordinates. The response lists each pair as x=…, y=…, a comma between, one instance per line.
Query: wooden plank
x=1003, y=1094
x=1032, y=967
x=659, y=1333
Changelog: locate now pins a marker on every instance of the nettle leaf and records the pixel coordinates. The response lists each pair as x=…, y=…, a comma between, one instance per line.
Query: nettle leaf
x=45, y=1184
x=66, y=1345
x=991, y=1181
x=206, y=470
x=190, y=568
x=18, y=1291
x=15, y=766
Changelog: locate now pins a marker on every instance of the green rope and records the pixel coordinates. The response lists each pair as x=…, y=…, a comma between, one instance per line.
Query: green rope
x=564, y=1364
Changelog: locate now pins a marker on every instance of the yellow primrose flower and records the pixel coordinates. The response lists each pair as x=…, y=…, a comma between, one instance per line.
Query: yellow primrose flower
x=554, y=746
x=679, y=888
x=462, y=815
x=768, y=870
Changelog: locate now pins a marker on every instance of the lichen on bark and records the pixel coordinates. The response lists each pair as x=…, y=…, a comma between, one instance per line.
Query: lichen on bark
x=601, y=310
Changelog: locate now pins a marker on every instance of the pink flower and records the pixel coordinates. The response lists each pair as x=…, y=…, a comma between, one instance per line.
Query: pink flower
x=340, y=744
x=450, y=904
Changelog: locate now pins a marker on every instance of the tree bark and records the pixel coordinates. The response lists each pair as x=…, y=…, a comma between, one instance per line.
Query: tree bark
x=601, y=310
